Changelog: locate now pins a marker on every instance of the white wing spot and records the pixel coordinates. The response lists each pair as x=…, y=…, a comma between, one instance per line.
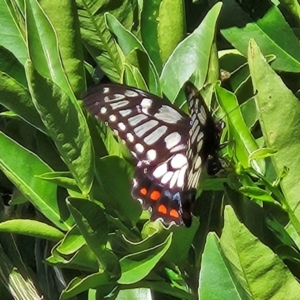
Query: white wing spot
x=174, y=179
x=139, y=148
x=166, y=178
x=125, y=112
x=130, y=137
x=193, y=118
x=193, y=179
x=195, y=134
x=142, y=129
x=136, y=119
x=116, y=97
x=172, y=140
x=202, y=115
x=195, y=123
x=178, y=148
x=106, y=90
x=155, y=135
x=198, y=162
x=199, y=146
x=178, y=161
x=140, y=200
x=112, y=118
x=168, y=115
x=160, y=170
x=130, y=93
x=191, y=102
x=119, y=104
x=134, y=181
x=151, y=154
x=103, y=110
x=122, y=126
x=181, y=176
x=200, y=136
x=146, y=104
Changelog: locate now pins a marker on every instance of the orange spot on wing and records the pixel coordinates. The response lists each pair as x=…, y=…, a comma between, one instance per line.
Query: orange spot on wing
x=155, y=195
x=143, y=191
x=162, y=209
x=174, y=213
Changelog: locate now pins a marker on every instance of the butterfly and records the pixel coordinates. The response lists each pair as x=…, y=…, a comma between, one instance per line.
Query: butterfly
x=171, y=148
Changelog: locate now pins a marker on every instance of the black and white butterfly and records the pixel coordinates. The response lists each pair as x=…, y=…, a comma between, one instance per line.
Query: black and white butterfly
x=171, y=148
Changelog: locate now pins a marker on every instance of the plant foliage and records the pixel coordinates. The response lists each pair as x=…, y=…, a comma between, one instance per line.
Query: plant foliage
x=69, y=228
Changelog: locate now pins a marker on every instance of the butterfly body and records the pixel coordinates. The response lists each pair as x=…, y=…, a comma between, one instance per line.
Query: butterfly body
x=171, y=148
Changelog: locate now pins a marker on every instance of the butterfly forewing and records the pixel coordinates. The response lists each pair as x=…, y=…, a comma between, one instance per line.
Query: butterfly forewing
x=150, y=127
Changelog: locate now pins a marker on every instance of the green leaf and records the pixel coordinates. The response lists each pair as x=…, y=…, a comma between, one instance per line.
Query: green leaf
x=280, y=124
x=128, y=42
x=19, y=283
x=262, y=153
x=186, y=59
x=72, y=242
x=261, y=221
x=214, y=184
x=92, y=223
x=133, y=77
x=293, y=7
x=216, y=281
x=178, y=249
x=115, y=175
x=149, y=27
x=65, y=21
x=16, y=97
x=43, y=47
x=244, y=142
x=31, y=228
x=136, y=266
x=135, y=294
x=21, y=166
x=281, y=42
x=83, y=259
x=63, y=179
x=170, y=27
x=79, y=285
x=256, y=193
x=99, y=134
x=96, y=36
x=66, y=125
x=11, y=66
x=249, y=112
x=254, y=265
x=161, y=30
x=167, y=289
x=12, y=35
